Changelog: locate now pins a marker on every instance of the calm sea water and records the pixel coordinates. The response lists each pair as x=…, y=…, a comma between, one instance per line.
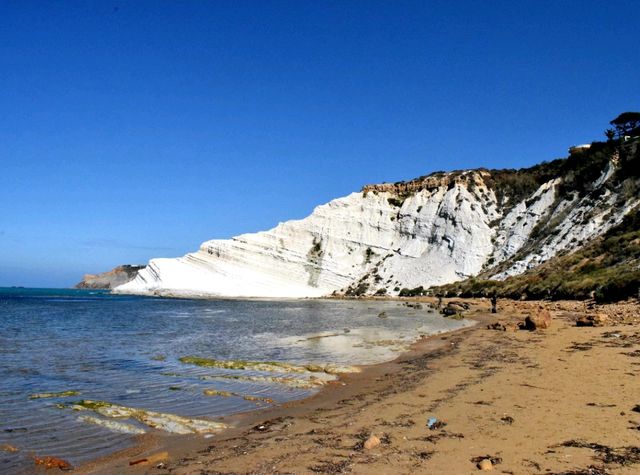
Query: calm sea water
x=125, y=350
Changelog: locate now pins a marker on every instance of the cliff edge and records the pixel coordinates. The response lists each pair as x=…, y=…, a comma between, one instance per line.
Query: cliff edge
x=433, y=230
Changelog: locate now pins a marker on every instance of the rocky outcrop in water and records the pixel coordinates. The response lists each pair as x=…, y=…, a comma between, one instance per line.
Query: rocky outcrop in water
x=108, y=280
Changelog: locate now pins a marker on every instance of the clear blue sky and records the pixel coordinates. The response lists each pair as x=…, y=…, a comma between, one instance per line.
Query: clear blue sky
x=131, y=130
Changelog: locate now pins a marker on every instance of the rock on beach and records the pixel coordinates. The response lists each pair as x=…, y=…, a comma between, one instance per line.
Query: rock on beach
x=371, y=443
x=539, y=321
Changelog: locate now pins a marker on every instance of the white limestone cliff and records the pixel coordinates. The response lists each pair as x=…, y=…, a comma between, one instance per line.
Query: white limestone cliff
x=430, y=231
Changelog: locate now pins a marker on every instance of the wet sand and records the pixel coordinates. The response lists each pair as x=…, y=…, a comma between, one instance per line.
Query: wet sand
x=558, y=400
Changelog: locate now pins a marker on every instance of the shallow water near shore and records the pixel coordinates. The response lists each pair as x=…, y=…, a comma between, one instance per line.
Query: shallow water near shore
x=126, y=351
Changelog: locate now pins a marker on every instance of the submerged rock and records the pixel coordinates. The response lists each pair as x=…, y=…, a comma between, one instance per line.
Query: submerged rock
x=267, y=366
x=314, y=368
x=157, y=420
x=54, y=395
x=256, y=399
x=297, y=383
x=271, y=366
x=267, y=400
x=52, y=462
x=115, y=426
x=216, y=392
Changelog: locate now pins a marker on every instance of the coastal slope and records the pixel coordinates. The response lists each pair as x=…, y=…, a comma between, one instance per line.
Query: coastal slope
x=437, y=229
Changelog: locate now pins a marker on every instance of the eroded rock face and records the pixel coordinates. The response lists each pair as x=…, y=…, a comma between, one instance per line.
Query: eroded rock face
x=108, y=280
x=425, y=238
x=430, y=231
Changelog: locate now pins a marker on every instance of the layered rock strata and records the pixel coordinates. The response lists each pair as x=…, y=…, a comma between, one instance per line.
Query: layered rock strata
x=433, y=230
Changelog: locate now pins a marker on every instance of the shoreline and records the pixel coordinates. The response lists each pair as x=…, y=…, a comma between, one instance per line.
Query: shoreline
x=151, y=445
x=245, y=449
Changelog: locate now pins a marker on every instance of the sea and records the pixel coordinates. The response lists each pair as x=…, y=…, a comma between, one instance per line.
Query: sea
x=62, y=346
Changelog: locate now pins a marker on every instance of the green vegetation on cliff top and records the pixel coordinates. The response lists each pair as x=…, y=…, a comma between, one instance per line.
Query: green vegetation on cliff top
x=607, y=269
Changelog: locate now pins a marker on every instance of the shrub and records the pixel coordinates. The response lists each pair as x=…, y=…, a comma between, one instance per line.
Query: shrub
x=368, y=254
x=393, y=201
x=357, y=291
x=418, y=291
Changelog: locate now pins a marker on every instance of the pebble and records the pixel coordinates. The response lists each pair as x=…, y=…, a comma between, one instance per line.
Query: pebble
x=52, y=462
x=151, y=459
x=372, y=442
x=485, y=465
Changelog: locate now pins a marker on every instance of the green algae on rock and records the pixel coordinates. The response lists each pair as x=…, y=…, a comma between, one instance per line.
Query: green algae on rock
x=87, y=404
x=54, y=395
x=269, y=366
x=273, y=366
x=156, y=420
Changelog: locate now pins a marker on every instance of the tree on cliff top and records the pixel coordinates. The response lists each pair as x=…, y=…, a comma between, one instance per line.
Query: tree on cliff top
x=626, y=122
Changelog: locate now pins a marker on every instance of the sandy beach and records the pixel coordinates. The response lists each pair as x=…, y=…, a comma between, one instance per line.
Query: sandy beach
x=561, y=400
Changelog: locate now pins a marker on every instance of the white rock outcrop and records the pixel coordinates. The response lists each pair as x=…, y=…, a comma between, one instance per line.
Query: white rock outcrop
x=430, y=231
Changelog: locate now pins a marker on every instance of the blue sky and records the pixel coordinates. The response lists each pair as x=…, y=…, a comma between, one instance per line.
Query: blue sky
x=131, y=130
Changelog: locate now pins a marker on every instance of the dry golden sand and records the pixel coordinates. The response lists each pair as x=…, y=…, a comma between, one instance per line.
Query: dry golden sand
x=515, y=396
